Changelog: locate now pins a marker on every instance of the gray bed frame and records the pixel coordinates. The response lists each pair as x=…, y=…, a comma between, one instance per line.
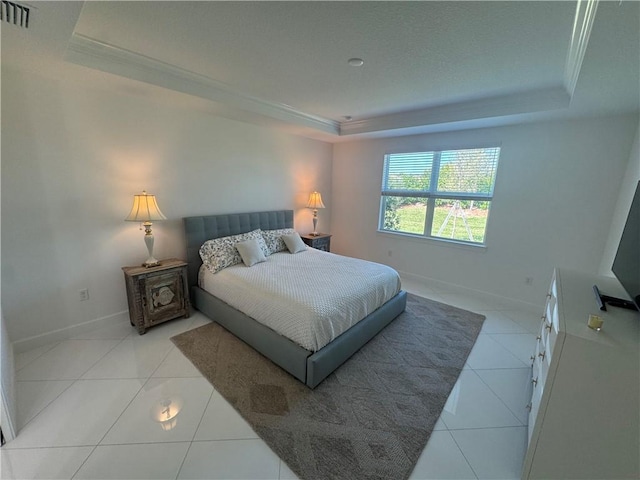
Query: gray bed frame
x=308, y=367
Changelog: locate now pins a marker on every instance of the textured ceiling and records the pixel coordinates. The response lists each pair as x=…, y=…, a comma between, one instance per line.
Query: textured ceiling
x=416, y=54
x=426, y=64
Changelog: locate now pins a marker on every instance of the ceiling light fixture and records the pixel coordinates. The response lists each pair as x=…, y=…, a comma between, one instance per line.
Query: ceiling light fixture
x=355, y=62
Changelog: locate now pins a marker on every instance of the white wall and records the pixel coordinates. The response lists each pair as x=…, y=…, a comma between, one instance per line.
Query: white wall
x=619, y=216
x=556, y=188
x=74, y=155
x=8, y=414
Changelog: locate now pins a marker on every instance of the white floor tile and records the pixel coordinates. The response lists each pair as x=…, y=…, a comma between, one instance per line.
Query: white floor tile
x=497, y=322
x=165, y=410
x=222, y=422
x=531, y=321
x=493, y=453
x=117, y=414
x=467, y=302
x=138, y=461
x=176, y=364
x=131, y=358
x=487, y=353
x=116, y=331
x=68, y=360
x=442, y=459
x=440, y=425
x=164, y=331
x=80, y=416
x=42, y=463
x=419, y=289
x=472, y=404
x=512, y=387
x=286, y=473
x=22, y=359
x=230, y=459
x=520, y=345
x=198, y=319
x=32, y=397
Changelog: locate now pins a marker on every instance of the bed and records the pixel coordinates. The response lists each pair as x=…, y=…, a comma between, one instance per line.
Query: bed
x=308, y=365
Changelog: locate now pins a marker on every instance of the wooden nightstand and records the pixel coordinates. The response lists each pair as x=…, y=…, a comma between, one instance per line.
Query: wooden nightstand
x=157, y=294
x=322, y=241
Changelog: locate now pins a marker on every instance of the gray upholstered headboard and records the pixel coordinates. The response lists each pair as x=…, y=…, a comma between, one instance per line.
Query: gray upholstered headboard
x=200, y=229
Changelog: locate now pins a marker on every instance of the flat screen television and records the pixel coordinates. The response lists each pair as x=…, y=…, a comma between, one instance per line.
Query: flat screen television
x=626, y=265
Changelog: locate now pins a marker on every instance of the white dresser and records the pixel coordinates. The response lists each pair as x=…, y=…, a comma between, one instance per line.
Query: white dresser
x=584, y=419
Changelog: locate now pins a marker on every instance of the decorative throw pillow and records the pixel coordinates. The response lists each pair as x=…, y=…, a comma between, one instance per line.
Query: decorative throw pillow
x=250, y=252
x=294, y=243
x=219, y=253
x=273, y=239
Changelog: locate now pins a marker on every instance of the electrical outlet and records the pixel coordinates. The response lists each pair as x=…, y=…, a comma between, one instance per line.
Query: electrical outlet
x=528, y=280
x=84, y=294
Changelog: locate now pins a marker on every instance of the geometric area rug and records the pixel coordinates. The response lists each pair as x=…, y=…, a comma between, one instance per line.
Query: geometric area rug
x=371, y=418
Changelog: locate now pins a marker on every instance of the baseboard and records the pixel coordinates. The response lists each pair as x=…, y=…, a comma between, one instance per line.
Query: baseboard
x=69, y=332
x=427, y=281
x=6, y=420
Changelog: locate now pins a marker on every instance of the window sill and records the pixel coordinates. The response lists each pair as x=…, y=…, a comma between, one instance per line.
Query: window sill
x=441, y=242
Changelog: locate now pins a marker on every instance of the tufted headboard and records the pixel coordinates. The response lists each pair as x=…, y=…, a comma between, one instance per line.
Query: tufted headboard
x=200, y=229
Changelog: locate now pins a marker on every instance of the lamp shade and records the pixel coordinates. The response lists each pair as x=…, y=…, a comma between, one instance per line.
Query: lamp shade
x=145, y=209
x=315, y=201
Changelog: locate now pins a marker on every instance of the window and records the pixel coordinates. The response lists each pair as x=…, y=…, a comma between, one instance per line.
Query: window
x=442, y=194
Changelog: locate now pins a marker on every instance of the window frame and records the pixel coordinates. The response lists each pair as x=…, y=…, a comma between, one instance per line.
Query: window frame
x=432, y=195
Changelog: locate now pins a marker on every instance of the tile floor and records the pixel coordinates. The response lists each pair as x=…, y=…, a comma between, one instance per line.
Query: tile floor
x=88, y=408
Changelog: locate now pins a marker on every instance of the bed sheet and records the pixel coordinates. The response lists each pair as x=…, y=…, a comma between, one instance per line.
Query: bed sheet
x=310, y=297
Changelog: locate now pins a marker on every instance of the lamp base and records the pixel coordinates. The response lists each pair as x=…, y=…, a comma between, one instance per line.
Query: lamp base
x=151, y=261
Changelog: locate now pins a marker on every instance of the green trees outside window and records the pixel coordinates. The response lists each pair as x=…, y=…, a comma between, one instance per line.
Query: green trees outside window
x=439, y=194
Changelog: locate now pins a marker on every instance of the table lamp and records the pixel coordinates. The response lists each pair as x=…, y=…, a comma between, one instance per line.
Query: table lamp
x=315, y=202
x=145, y=210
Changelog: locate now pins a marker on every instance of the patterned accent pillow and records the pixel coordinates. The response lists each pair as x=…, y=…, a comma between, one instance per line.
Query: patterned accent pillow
x=273, y=239
x=220, y=253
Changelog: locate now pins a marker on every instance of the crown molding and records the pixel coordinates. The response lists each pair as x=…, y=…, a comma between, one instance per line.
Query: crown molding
x=93, y=53
x=530, y=101
x=582, y=24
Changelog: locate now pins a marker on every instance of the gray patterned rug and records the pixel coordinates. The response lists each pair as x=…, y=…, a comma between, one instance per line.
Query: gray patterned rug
x=371, y=418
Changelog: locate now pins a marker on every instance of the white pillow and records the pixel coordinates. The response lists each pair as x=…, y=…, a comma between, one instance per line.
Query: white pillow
x=219, y=253
x=294, y=243
x=251, y=252
x=273, y=239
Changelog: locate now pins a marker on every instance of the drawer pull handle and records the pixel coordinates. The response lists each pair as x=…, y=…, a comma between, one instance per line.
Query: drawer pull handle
x=544, y=317
x=533, y=358
x=542, y=354
x=539, y=337
x=548, y=326
x=529, y=406
x=549, y=295
x=534, y=382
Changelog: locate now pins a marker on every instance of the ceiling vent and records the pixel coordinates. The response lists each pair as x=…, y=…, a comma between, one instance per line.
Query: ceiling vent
x=14, y=13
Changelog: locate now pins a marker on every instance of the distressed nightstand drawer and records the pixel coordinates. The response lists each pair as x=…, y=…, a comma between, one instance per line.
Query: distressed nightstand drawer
x=322, y=241
x=157, y=294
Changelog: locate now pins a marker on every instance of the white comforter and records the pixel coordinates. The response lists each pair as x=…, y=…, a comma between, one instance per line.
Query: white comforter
x=310, y=297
